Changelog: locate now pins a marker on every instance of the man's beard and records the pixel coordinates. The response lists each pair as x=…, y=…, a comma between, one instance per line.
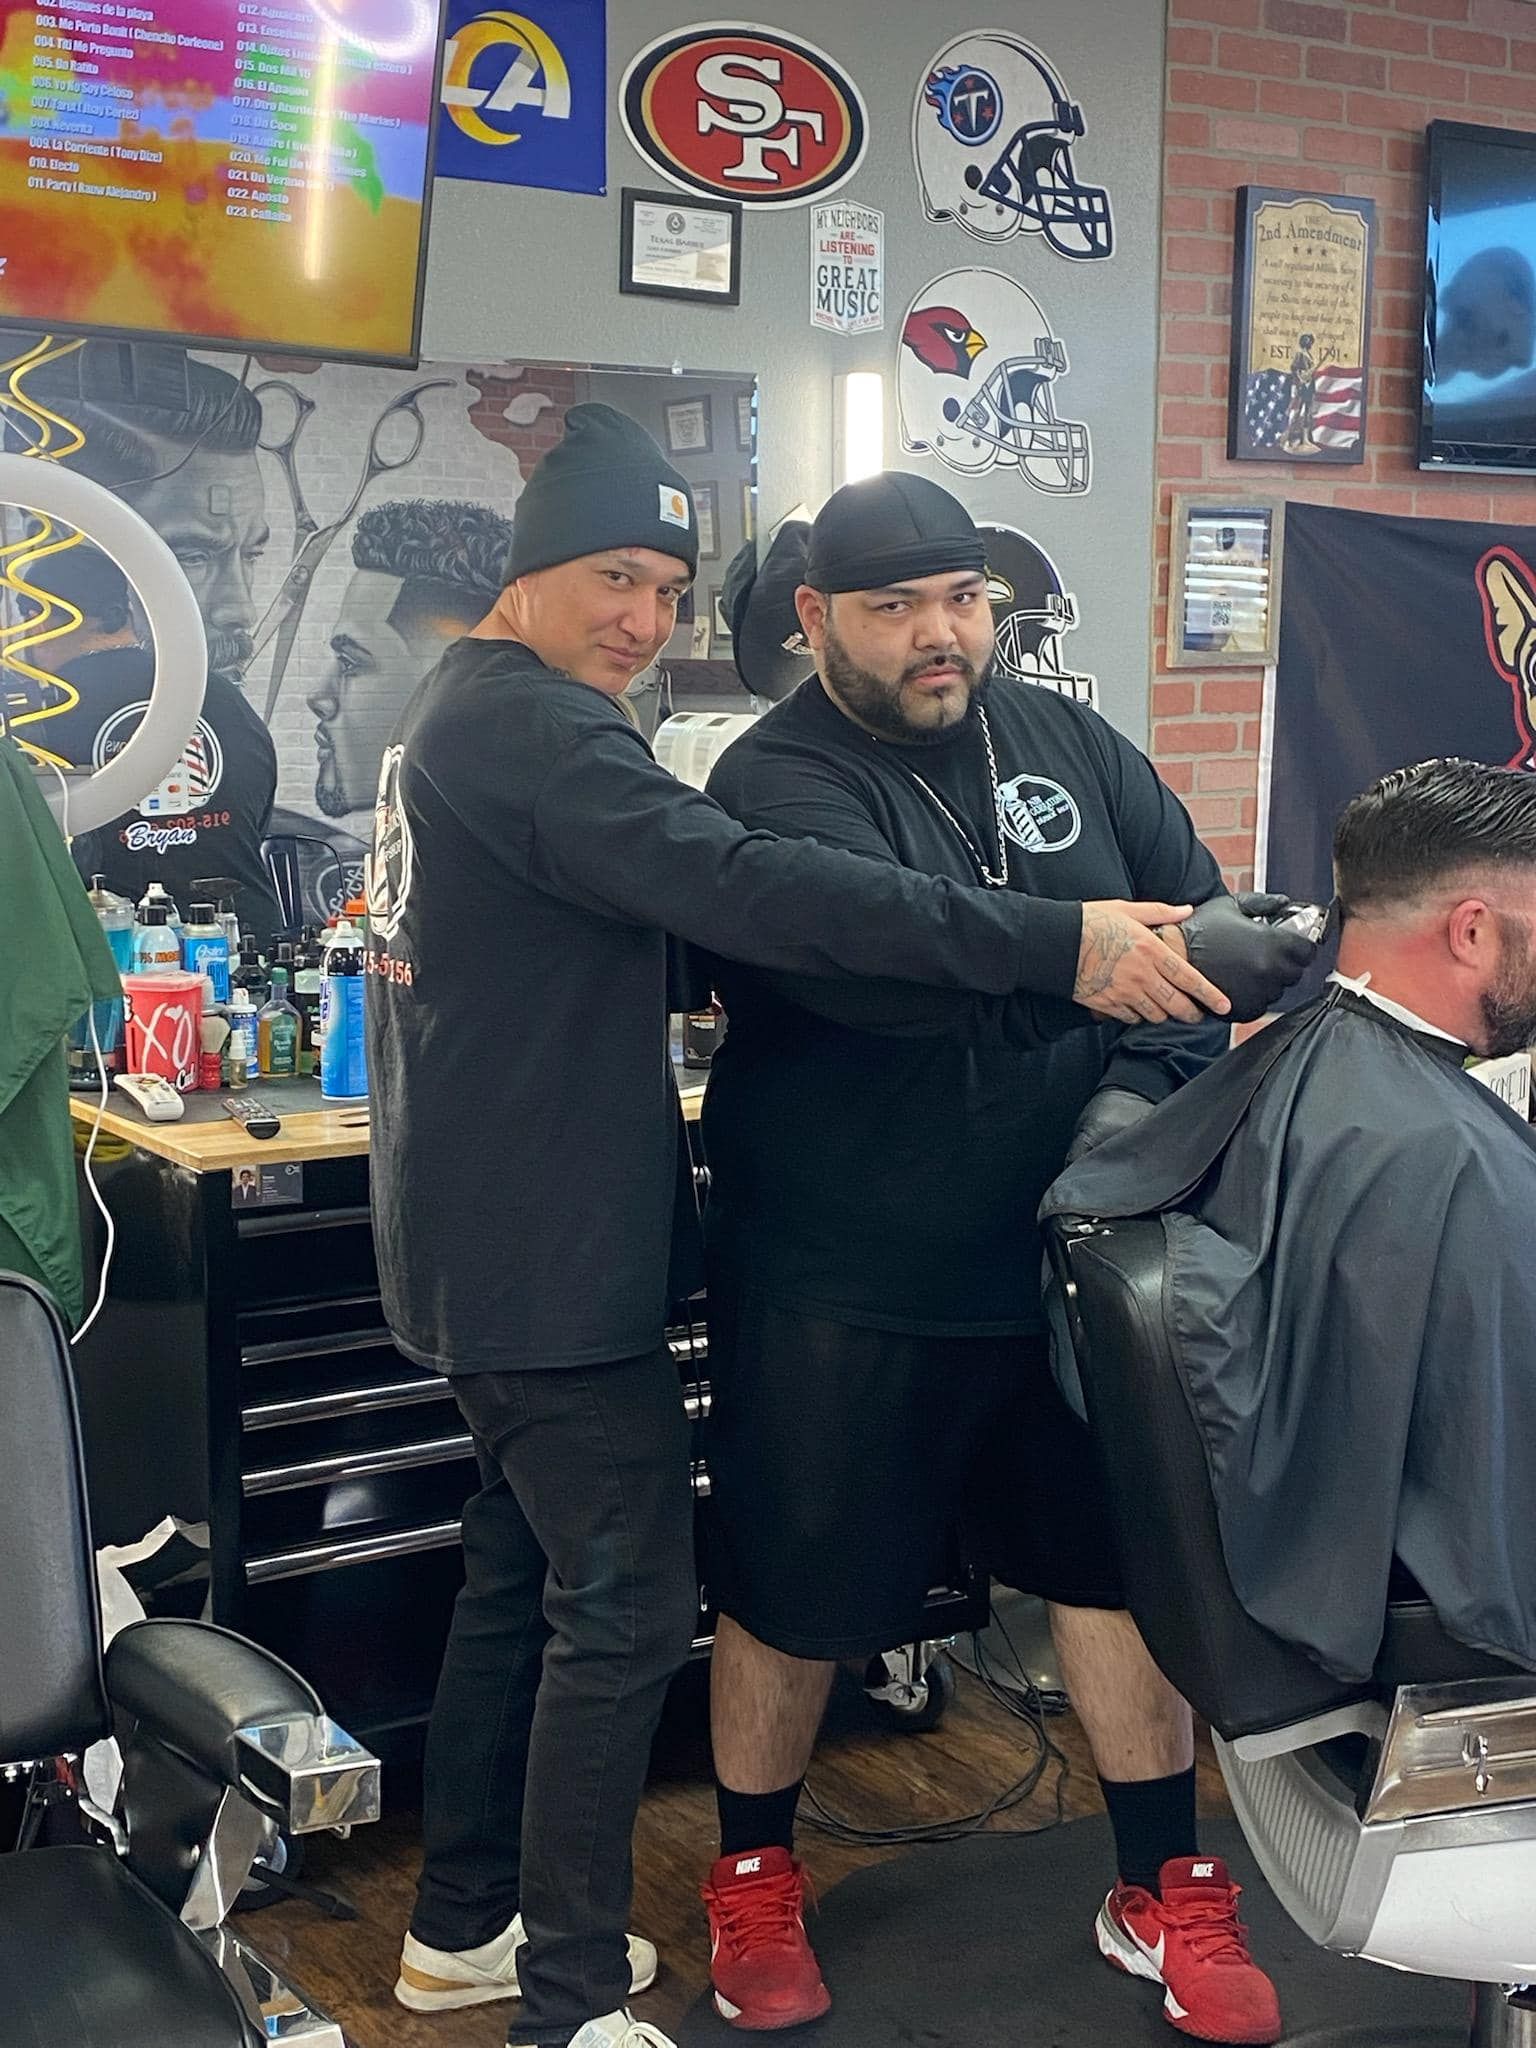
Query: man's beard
x=876, y=702
x=1509, y=1007
x=229, y=654
x=330, y=792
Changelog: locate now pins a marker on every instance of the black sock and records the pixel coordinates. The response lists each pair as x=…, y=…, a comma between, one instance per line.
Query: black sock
x=758, y=1820
x=1153, y=1820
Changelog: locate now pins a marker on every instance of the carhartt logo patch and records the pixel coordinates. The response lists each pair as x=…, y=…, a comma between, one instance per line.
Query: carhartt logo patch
x=674, y=507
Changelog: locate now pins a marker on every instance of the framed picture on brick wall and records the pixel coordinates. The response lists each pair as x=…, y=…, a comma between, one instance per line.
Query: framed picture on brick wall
x=1301, y=327
x=1224, y=581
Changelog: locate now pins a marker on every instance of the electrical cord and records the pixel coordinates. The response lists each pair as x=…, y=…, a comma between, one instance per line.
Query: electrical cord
x=1015, y=1693
x=101, y=1110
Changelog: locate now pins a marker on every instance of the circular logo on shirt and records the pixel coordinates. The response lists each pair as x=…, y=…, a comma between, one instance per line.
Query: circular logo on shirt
x=196, y=775
x=392, y=860
x=1039, y=815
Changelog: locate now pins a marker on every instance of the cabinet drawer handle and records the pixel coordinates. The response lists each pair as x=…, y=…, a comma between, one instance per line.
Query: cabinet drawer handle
x=333, y=1557
x=330, y=1406
x=291, y=1350
x=443, y=1450
x=286, y=1222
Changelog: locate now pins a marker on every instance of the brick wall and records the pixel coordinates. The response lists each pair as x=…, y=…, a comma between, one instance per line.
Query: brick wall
x=1326, y=98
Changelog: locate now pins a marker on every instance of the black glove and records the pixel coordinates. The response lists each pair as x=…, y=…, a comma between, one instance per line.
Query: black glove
x=1107, y=1113
x=1251, y=962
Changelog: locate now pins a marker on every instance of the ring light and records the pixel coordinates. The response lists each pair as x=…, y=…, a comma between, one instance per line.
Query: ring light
x=175, y=627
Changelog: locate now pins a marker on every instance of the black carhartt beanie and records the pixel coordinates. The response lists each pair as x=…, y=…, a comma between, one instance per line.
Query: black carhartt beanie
x=606, y=485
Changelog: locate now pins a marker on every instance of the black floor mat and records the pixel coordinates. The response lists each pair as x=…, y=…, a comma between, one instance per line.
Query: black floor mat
x=989, y=1944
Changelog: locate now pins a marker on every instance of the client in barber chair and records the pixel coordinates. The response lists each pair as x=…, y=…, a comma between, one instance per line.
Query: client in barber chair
x=1348, y=1233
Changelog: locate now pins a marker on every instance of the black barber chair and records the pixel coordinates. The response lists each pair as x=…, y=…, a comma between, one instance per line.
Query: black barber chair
x=117, y=1940
x=1394, y=1821
x=312, y=885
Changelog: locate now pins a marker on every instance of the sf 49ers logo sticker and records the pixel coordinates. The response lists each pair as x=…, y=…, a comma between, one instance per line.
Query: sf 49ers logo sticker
x=746, y=113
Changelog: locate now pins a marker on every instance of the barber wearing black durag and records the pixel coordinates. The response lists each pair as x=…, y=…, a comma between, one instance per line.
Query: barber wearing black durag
x=530, y=858
x=878, y=1152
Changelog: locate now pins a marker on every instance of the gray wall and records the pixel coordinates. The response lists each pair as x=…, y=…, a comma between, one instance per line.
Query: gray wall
x=525, y=275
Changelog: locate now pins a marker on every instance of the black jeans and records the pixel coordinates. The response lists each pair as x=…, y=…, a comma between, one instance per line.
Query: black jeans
x=579, y=1604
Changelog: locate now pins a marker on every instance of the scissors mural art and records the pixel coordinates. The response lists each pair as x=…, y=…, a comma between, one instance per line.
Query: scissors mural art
x=338, y=525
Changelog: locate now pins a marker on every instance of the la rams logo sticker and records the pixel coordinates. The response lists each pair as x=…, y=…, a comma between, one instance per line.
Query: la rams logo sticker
x=524, y=73
x=1039, y=815
x=525, y=94
x=746, y=113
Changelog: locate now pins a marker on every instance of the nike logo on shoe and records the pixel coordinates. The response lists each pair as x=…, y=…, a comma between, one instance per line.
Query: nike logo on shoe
x=749, y=1866
x=1203, y=1870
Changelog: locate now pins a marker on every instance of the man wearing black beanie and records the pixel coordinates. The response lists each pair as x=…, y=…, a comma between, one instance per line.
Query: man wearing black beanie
x=529, y=859
x=877, y=1153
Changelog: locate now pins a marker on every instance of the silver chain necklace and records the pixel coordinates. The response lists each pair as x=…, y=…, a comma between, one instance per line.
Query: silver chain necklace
x=992, y=878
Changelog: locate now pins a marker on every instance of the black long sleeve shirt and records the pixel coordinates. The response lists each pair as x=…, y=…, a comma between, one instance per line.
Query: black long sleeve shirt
x=530, y=859
x=878, y=1151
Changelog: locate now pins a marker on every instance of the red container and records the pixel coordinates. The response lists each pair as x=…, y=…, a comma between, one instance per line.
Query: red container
x=162, y=1026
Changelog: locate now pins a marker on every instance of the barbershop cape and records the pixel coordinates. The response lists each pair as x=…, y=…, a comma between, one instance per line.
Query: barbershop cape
x=1352, y=1303
x=54, y=962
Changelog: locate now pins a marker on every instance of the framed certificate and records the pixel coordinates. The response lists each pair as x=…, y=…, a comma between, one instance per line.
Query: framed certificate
x=1224, y=581
x=671, y=247
x=706, y=503
x=689, y=428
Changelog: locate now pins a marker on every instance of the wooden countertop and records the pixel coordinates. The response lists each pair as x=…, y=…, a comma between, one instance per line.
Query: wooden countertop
x=220, y=1144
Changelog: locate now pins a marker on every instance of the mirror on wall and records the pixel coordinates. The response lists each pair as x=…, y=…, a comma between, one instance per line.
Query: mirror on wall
x=339, y=526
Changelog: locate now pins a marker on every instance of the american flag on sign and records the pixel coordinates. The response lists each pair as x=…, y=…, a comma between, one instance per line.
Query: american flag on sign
x=1267, y=407
x=1338, y=401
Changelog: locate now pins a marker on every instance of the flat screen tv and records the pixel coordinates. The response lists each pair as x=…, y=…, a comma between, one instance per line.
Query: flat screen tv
x=1478, y=404
x=248, y=174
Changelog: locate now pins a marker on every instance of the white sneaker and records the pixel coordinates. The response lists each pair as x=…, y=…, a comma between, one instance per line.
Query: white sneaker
x=619, y=2030
x=442, y=1980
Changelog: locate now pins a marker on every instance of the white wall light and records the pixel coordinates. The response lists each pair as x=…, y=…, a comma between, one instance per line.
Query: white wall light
x=859, y=446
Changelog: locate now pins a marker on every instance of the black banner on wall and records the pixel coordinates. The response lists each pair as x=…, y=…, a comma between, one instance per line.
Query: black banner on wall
x=1400, y=639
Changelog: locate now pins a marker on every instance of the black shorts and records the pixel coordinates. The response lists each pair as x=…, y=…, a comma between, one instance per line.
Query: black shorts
x=844, y=1461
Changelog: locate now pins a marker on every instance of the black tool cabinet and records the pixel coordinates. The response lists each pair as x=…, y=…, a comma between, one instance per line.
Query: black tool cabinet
x=241, y=1379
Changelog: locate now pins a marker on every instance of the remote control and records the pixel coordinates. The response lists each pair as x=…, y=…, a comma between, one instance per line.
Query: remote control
x=155, y=1096
x=258, y=1120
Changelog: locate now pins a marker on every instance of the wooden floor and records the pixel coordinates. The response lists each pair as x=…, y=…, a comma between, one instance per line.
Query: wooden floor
x=864, y=1771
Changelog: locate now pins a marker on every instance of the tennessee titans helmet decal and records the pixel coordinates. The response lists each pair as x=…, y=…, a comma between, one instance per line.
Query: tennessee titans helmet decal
x=993, y=129
x=968, y=102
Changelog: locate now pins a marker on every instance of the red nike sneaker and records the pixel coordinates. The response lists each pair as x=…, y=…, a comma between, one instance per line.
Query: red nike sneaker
x=763, y=1969
x=1192, y=1943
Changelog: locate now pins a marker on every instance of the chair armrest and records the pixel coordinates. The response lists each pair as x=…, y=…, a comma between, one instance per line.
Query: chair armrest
x=245, y=1719
x=195, y=1687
